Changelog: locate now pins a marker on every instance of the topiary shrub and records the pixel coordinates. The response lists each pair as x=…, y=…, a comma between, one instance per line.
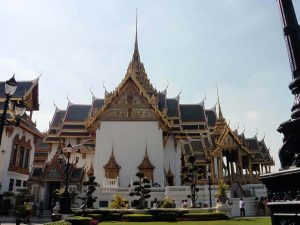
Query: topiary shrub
x=167, y=216
x=79, y=220
x=90, y=188
x=141, y=189
x=137, y=218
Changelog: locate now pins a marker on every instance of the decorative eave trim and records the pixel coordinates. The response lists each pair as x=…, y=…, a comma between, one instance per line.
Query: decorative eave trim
x=31, y=131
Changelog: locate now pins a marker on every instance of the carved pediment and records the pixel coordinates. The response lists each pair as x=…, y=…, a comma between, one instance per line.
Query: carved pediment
x=52, y=172
x=228, y=140
x=129, y=104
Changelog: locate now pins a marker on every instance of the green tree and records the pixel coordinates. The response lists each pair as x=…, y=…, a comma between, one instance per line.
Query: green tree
x=141, y=189
x=191, y=174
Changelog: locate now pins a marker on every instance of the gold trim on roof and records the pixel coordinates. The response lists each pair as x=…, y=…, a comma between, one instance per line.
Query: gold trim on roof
x=221, y=132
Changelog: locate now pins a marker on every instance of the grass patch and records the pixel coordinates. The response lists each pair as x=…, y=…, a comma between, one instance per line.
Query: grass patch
x=237, y=221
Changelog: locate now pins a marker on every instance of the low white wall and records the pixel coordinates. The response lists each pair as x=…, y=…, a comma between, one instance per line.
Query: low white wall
x=249, y=206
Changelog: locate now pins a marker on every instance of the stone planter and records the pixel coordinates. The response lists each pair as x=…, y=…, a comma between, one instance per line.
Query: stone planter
x=55, y=217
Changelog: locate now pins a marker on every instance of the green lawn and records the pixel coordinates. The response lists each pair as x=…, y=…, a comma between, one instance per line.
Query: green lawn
x=237, y=221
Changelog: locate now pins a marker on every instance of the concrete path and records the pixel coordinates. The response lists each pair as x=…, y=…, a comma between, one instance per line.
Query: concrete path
x=34, y=220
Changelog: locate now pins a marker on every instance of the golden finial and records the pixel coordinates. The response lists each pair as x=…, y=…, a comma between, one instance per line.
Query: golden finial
x=220, y=115
x=136, y=54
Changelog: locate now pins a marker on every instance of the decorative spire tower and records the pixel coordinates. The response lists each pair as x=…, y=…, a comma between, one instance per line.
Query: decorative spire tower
x=136, y=54
x=136, y=68
x=220, y=114
x=283, y=186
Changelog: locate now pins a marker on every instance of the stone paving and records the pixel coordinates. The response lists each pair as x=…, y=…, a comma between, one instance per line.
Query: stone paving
x=7, y=220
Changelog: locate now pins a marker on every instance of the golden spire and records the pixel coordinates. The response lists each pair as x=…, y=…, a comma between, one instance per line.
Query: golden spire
x=136, y=54
x=220, y=114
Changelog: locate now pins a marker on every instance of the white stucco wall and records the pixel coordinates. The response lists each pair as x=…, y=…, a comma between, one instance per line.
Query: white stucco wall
x=129, y=139
x=172, y=159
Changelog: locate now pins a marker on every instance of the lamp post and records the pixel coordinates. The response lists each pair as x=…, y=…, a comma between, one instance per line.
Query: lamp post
x=17, y=107
x=65, y=200
x=209, y=188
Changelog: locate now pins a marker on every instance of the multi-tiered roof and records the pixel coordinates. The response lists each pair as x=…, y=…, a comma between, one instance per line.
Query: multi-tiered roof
x=201, y=131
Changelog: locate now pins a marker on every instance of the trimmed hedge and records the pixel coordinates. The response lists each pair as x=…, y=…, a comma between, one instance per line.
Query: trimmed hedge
x=77, y=212
x=96, y=216
x=79, y=220
x=112, y=216
x=167, y=216
x=203, y=216
x=137, y=218
x=62, y=222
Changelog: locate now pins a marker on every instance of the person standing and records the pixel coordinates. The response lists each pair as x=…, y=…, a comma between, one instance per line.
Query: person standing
x=262, y=206
x=242, y=207
x=41, y=209
x=257, y=207
x=28, y=210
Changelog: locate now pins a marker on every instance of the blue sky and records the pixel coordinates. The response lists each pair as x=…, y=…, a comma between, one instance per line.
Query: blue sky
x=194, y=45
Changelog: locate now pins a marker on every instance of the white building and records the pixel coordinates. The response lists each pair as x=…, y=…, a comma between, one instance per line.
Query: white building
x=18, y=144
x=136, y=128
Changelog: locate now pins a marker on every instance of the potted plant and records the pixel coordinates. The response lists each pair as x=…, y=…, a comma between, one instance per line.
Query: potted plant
x=221, y=192
x=222, y=198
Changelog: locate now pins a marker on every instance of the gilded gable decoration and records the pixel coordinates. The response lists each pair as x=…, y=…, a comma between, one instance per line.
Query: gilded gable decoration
x=170, y=177
x=112, y=168
x=147, y=167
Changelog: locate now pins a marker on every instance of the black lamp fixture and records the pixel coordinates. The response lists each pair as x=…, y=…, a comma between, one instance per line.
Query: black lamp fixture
x=17, y=108
x=65, y=200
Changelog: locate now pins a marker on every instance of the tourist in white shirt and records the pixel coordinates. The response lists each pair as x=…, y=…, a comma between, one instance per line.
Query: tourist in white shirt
x=242, y=207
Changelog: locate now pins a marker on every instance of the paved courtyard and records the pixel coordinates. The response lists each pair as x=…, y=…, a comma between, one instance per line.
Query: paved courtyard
x=34, y=220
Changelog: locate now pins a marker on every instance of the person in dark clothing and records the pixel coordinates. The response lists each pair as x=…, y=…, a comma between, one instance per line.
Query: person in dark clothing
x=41, y=209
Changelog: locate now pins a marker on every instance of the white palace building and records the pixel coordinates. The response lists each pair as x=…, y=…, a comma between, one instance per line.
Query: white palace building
x=137, y=128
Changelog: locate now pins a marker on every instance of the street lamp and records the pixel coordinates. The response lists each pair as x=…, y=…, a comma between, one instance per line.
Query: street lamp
x=65, y=200
x=17, y=107
x=209, y=188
